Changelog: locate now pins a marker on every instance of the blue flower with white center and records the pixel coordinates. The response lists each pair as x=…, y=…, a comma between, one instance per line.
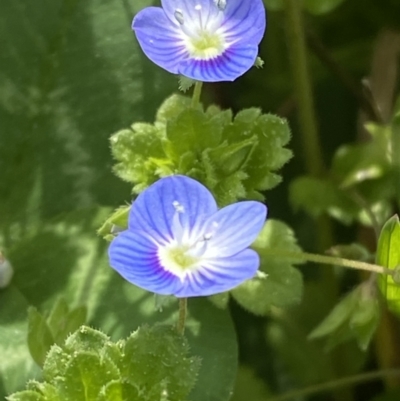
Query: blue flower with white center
x=179, y=243
x=206, y=40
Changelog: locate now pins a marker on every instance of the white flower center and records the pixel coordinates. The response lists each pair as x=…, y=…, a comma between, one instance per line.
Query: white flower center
x=183, y=254
x=202, y=36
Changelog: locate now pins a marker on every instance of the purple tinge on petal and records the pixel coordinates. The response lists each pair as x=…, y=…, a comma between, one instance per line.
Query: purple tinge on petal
x=153, y=210
x=159, y=39
x=244, y=22
x=234, y=228
x=220, y=274
x=134, y=257
x=230, y=65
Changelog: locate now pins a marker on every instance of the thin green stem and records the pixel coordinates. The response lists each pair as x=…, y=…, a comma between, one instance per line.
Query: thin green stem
x=196, y=93
x=335, y=384
x=329, y=260
x=180, y=327
x=307, y=118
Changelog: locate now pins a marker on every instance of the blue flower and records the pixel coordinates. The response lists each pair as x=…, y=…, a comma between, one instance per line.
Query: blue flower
x=179, y=243
x=206, y=40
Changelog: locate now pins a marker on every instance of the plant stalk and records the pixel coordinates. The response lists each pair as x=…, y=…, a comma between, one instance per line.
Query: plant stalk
x=180, y=327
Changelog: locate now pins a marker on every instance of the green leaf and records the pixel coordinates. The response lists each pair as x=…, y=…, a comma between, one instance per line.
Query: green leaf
x=365, y=320
x=338, y=317
x=282, y=284
x=118, y=219
x=353, y=164
x=63, y=322
x=156, y=358
x=234, y=159
x=208, y=328
x=88, y=367
x=27, y=395
x=191, y=131
x=85, y=375
x=17, y=365
x=352, y=251
x=388, y=255
x=172, y=107
x=40, y=338
x=355, y=316
x=137, y=151
x=117, y=391
x=307, y=362
x=272, y=135
x=57, y=316
x=317, y=196
x=69, y=89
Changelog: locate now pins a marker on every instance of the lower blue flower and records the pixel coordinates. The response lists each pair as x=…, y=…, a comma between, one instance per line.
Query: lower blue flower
x=179, y=243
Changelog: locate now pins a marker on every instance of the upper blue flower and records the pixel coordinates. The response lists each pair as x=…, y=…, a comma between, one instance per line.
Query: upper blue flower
x=206, y=40
x=179, y=243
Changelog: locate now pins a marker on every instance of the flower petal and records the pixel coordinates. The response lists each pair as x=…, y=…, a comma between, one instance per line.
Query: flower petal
x=153, y=211
x=220, y=274
x=134, y=257
x=233, y=63
x=244, y=22
x=160, y=40
x=195, y=13
x=234, y=228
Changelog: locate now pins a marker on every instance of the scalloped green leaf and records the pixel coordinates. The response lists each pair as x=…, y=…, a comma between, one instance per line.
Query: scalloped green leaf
x=137, y=150
x=156, y=358
x=192, y=130
x=234, y=158
x=152, y=363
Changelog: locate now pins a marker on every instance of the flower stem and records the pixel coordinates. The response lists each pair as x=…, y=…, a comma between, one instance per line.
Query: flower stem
x=298, y=51
x=334, y=384
x=330, y=260
x=180, y=327
x=196, y=93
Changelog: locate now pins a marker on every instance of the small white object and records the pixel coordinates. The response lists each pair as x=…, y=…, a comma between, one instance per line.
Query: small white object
x=221, y=4
x=6, y=272
x=179, y=16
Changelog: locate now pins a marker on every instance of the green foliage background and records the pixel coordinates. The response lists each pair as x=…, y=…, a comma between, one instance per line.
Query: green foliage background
x=71, y=74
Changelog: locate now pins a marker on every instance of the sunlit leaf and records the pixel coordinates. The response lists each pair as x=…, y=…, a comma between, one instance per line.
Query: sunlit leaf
x=388, y=255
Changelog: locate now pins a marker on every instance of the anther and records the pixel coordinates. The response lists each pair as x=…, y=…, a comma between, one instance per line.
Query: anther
x=221, y=4
x=178, y=207
x=178, y=14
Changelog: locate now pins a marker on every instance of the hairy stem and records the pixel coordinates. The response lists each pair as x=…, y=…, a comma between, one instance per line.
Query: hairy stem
x=196, y=93
x=180, y=327
x=330, y=260
x=334, y=384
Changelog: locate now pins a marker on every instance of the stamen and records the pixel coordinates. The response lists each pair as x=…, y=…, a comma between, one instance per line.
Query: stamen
x=198, y=8
x=177, y=228
x=178, y=207
x=178, y=14
x=221, y=4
